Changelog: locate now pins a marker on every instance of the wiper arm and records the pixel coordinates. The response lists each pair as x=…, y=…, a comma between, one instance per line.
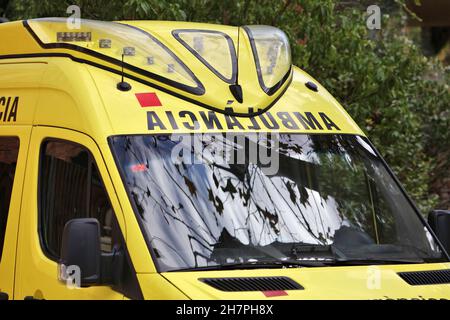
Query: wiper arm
x=365, y=261
x=258, y=265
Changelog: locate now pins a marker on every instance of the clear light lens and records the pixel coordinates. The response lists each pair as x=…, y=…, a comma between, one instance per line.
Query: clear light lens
x=198, y=44
x=73, y=36
x=272, y=53
x=215, y=49
x=141, y=49
x=104, y=43
x=129, y=51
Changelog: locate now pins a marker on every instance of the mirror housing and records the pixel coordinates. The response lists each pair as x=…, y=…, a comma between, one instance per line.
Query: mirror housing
x=80, y=252
x=439, y=221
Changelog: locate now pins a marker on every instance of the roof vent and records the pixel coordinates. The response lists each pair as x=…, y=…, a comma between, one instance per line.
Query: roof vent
x=418, y=278
x=252, y=284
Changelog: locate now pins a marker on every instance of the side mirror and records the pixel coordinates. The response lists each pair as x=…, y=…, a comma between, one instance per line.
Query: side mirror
x=439, y=221
x=80, y=252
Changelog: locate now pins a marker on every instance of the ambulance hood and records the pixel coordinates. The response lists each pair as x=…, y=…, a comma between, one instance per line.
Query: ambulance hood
x=357, y=282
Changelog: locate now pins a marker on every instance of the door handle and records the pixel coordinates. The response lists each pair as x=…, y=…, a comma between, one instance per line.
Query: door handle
x=4, y=296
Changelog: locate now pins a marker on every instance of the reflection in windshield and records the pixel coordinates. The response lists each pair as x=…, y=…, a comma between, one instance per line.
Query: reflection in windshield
x=200, y=209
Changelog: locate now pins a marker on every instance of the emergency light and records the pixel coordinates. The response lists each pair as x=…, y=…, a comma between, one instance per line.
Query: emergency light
x=198, y=63
x=111, y=40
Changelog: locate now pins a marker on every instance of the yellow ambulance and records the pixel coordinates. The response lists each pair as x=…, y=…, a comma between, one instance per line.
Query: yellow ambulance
x=173, y=160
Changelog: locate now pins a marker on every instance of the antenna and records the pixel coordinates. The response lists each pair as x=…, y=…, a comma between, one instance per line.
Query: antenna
x=237, y=57
x=236, y=88
x=122, y=85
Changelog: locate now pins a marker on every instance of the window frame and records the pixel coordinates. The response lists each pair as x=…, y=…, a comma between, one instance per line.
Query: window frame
x=91, y=160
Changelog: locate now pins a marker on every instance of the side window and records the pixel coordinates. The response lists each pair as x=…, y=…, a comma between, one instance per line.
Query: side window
x=9, y=150
x=70, y=187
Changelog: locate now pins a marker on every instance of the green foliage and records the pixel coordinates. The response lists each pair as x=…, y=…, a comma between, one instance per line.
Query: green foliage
x=394, y=93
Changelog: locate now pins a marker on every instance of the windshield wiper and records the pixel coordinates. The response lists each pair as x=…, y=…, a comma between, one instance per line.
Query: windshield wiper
x=258, y=265
x=368, y=261
x=332, y=255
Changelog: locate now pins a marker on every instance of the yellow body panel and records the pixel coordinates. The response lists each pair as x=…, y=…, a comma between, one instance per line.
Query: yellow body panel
x=156, y=287
x=297, y=99
x=62, y=98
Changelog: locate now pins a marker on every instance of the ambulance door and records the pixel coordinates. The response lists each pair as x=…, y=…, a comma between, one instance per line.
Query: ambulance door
x=13, y=153
x=66, y=179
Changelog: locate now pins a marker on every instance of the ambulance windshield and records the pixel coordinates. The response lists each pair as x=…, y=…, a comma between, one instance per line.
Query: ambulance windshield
x=211, y=201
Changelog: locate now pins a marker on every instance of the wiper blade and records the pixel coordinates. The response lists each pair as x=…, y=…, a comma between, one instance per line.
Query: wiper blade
x=332, y=255
x=376, y=261
x=258, y=265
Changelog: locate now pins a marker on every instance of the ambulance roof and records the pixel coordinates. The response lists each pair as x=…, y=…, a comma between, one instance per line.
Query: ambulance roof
x=180, y=74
